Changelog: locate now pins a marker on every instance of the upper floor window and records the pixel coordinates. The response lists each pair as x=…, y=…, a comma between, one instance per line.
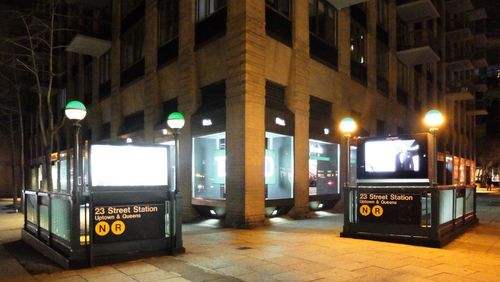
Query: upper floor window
x=104, y=67
x=168, y=20
x=132, y=45
x=128, y=6
x=205, y=8
x=323, y=21
x=358, y=42
x=281, y=6
x=403, y=76
x=382, y=14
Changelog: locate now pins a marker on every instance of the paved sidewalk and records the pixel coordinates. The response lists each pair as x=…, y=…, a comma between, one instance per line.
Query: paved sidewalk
x=294, y=250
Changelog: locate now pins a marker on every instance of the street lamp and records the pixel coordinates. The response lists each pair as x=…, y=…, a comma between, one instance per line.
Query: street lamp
x=433, y=120
x=347, y=126
x=175, y=121
x=76, y=111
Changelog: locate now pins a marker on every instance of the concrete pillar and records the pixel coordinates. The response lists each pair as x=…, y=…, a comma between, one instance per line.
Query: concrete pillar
x=371, y=46
x=297, y=99
x=344, y=42
x=245, y=110
x=116, y=109
x=187, y=98
x=151, y=95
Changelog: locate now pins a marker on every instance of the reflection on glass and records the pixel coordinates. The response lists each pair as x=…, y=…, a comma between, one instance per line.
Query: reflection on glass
x=323, y=168
x=278, y=169
x=209, y=166
x=63, y=171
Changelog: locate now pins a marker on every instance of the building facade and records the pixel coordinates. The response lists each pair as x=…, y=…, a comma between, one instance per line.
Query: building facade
x=264, y=84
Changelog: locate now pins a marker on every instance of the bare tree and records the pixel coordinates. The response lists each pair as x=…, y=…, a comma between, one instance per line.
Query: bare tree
x=33, y=50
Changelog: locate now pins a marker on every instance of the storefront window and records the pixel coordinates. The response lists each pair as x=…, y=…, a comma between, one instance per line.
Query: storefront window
x=323, y=168
x=278, y=169
x=209, y=166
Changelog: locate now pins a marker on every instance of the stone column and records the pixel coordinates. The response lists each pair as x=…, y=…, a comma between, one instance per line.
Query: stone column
x=371, y=25
x=297, y=99
x=344, y=41
x=393, y=60
x=245, y=110
x=152, y=103
x=187, y=98
x=116, y=107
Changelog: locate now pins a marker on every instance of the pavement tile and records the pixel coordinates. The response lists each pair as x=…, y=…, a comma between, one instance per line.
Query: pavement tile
x=97, y=271
x=234, y=270
x=116, y=277
x=71, y=278
x=484, y=276
x=417, y=270
x=158, y=275
x=339, y=274
x=407, y=278
x=387, y=263
x=135, y=267
x=268, y=269
x=56, y=275
x=285, y=260
x=256, y=277
x=177, y=279
x=447, y=277
x=347, y=265
x=459, y=271
x=310, y=267
x=295, y=276
x=374, y=273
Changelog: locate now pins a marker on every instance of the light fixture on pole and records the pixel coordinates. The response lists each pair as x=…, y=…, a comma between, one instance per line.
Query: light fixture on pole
x=433, y=120
x=76, y=111
x=347, y=126
x=176, y=122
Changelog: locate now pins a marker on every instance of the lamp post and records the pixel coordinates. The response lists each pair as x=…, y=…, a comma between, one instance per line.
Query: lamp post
x=347, y=127
x=176, y=122
x=433, y=120
x=76, y=112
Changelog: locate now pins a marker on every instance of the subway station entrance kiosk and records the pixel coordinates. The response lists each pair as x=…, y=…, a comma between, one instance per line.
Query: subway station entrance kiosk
x=122, y=207
x=396, y=199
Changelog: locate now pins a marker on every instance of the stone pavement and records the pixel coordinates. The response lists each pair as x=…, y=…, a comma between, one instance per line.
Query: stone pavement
x=286, y=250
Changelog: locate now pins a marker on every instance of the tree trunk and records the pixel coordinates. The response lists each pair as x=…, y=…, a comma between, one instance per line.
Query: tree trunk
x=13, y=162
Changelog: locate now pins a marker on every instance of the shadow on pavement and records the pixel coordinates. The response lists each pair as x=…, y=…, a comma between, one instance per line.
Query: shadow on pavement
x=30, y=259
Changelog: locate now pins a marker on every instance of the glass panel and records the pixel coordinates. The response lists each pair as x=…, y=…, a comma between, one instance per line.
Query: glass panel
x=31, y=211
x=60, y=217
x=469, y=200
x=278, y=169
x=353, y=164
x=44, y=217
x=323, y=168
x=34, y=184
x=53, y=171
x=84, y=224
x=459, y=207
x=209, y=166
x=445, y=206
x=63, y=171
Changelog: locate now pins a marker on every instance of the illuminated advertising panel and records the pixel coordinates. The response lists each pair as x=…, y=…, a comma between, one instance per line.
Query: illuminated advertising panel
x=128, y=165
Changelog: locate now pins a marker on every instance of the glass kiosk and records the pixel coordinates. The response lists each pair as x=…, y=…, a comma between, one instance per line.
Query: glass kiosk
x=121, y=209
x=394, y=198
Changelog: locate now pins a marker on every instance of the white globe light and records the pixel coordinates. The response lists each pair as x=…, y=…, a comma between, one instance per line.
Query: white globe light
x=433, y=119
x=348, y=125
x=75, y=110
x=176, y=120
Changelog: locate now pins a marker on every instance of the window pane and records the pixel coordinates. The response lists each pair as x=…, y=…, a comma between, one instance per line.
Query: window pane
x=323, y=168
x=209, y=166
x=278, y=169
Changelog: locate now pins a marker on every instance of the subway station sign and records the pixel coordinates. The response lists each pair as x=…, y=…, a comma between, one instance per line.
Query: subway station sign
x=393, y=208
x=128, y=222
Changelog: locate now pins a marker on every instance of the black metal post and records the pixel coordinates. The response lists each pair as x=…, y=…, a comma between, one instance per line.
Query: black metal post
x=175, y=228
x=75, y=193
x=434, y=156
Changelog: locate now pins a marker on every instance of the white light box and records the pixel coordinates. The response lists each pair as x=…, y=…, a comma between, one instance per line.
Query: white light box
x=119, y=165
